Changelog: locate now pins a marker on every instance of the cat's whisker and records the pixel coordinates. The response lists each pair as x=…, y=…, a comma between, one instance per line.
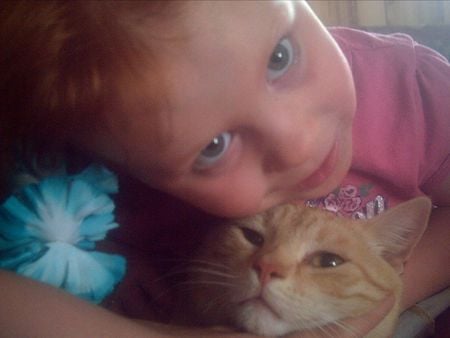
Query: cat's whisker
x=210, y=263
x=333, y=327
x=348, y=328
x=324, y=330
x=206, y=282
x=219, y=302
x=174, y=272
x=160, y=295
x=216, y=302
x=327, y=330
x=185, y=269
x=192, y=261
x=317, y=325
x=330, y=331
x=315, y=333
x=213, y=272
x=184, y=260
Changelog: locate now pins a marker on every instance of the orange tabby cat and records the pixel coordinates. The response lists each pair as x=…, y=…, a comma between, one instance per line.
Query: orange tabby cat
x=294, y=268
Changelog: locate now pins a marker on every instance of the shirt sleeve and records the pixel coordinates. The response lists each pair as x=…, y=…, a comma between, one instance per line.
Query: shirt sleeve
x=401, y=129
x=433, y=98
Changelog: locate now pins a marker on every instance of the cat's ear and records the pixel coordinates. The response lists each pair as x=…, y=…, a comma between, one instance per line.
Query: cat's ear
x=396, y=232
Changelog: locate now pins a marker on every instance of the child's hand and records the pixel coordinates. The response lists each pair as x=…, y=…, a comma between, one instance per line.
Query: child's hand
x=197, y=332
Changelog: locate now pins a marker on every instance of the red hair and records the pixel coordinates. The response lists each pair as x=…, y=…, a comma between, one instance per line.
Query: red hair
x=63, y=65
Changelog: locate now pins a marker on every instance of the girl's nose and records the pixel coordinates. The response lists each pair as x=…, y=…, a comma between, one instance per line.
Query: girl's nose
x=284, y=144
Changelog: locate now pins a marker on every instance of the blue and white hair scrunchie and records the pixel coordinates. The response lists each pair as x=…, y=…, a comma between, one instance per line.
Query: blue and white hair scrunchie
x=48, y=231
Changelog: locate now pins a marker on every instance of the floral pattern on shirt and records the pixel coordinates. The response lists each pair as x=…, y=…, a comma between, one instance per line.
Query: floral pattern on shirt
x=351, y=201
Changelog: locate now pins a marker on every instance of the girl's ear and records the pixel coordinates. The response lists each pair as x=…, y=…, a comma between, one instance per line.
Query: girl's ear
x=396, y=232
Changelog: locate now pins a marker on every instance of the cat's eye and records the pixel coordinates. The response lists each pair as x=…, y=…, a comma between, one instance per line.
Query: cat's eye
x=326, y=260
x=253, y=236
x=281, y=59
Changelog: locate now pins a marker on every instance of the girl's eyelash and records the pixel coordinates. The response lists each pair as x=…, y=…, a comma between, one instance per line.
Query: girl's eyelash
x=214, y=151
x=222, y=160
x=283, y=56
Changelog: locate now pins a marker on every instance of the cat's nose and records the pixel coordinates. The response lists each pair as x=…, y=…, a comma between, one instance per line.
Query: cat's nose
x=268, y=270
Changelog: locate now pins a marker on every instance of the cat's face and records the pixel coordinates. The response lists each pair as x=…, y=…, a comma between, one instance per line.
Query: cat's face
x=291, y=268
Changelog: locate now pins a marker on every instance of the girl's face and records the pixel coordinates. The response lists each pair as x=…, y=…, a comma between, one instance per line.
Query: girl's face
x=259, y=108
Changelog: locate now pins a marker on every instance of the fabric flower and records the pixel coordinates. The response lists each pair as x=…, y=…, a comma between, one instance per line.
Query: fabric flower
x=48, y=232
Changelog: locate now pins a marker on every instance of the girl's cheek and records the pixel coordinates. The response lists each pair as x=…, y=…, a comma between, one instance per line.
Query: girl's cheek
x=241, y=203
x=238, y=193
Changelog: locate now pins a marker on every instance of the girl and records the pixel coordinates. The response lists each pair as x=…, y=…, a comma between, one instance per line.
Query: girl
x=230, y=107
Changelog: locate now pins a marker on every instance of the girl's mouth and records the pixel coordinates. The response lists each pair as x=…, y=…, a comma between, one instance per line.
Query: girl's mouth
x=323, y=172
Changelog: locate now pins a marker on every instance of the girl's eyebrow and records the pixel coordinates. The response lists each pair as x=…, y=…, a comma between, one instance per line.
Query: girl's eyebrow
x=286, y=14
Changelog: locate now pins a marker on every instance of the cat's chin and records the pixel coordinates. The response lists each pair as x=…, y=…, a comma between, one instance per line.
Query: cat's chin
x=258, y=317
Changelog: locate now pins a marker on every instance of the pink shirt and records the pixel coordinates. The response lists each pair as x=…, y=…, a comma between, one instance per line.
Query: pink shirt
x=401, y=135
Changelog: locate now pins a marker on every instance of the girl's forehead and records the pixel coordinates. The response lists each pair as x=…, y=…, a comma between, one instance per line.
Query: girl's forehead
x=218, y=46
x=197, y=20
x=212, y=53
x=224, y=38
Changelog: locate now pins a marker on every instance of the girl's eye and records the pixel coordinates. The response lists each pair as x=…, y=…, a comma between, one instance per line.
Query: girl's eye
x=281, y=59
x=214, y=151
x=253, y=236
x=326, y=260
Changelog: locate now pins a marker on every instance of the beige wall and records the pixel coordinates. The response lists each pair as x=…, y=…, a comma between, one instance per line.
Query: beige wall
x=413, y=13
